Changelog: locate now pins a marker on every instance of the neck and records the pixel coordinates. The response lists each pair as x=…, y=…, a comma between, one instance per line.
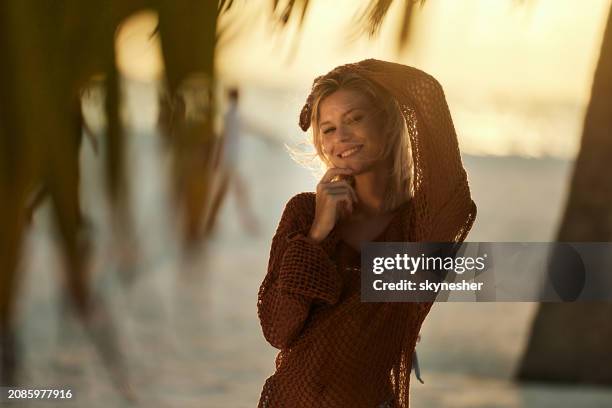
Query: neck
x=371, y=188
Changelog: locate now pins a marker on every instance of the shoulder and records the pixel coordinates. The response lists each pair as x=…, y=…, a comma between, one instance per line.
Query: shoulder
x=299, y=210
x=302, y=203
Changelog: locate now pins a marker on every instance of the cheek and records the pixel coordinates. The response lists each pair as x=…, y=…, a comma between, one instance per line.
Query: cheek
x=376, y=146
x=373, y=134
x=326, y=148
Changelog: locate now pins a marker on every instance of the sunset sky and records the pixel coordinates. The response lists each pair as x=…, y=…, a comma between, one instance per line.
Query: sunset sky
x=483, y=51
x=540, y=47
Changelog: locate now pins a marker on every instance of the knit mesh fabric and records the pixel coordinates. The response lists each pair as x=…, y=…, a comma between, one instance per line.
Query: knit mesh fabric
x=336, y=351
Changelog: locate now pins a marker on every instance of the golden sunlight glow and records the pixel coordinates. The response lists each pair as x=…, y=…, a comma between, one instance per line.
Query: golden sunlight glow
x=517, y=75
x=542, y=48
x=138, y=51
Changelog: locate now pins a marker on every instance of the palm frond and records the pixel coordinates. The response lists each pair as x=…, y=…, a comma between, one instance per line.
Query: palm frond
x=374, y=15
x=224, y=6
x=290, y=8
x=406, y=27
x=376, y=11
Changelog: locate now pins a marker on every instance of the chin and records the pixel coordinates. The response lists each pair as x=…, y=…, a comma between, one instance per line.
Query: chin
x=359, y=167
x=354, y=167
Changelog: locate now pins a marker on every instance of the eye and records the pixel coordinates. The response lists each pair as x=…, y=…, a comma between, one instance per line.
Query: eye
x=329, y=130
x=355, y=119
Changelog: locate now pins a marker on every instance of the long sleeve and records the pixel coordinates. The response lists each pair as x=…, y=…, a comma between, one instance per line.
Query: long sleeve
x=444, y=189
x=300, y=272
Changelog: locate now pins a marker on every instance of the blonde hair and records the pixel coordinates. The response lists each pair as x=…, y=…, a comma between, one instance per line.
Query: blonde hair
x=388, y=112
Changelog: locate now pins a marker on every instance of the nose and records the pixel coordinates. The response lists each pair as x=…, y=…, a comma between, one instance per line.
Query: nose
x=343, y=133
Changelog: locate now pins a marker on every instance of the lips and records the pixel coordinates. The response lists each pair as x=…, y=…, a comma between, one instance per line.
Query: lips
x=349, y=152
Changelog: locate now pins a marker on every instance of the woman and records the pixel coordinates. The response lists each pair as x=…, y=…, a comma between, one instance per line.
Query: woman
x=394, y=174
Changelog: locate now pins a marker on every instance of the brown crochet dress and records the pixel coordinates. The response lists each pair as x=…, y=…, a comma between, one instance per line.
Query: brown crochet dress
x=334, y=350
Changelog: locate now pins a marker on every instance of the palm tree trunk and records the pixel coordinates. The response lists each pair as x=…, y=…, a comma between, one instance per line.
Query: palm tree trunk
x=570, y=342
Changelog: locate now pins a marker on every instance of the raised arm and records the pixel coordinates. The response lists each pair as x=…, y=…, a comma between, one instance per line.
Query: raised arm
x=444, y=188
x=300, y=272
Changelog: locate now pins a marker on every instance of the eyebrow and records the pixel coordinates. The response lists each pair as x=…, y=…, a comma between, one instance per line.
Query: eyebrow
x=344, y=114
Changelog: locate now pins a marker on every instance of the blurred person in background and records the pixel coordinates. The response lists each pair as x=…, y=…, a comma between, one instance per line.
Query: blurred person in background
x=229, y=174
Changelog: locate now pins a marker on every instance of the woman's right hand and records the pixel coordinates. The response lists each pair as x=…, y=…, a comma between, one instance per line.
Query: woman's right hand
x=328, y=198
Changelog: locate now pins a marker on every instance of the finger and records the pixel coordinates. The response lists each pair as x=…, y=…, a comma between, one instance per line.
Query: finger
x=327, y=187
x=337, y=189
x=343, y=197
x=341, y=190
x=349, y=204
x=333, y=172
x=347, y=184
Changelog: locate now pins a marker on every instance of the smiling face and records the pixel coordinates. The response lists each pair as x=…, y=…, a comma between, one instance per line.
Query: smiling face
x=350, y=131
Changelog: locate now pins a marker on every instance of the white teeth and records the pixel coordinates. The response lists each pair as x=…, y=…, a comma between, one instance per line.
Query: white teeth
x=349, y=152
